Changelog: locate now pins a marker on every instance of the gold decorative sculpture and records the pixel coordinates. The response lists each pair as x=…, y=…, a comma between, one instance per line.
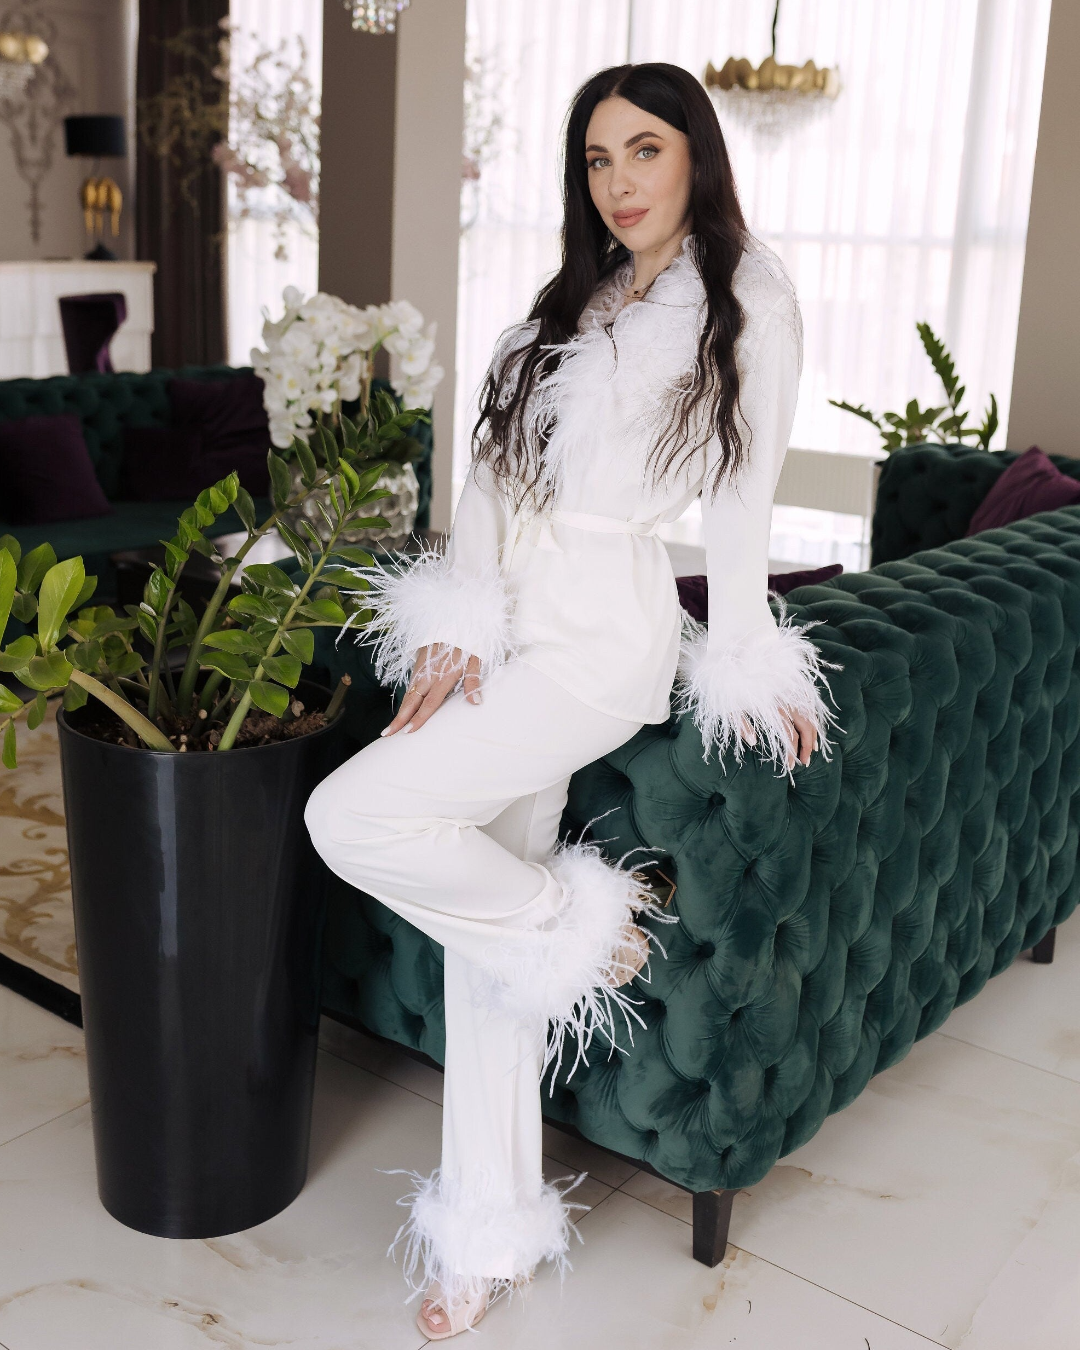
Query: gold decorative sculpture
x=98, y=195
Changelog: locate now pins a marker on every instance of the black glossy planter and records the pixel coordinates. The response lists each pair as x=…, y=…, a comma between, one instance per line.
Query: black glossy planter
x=199, y=909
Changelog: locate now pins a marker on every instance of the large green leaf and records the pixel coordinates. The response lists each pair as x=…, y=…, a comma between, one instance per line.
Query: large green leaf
x=280, y=482
x=286, y=669
x=157, y=590
x=47, y=672
x=16, y=654
x=9, y=701
x=266, y=574
x=270, y=698
x=309, y=470
x=245, y=509
x=59, y=590
x=354, y=555
x=229, y=664
x=34, y=565
x=74, y=697
x=24, y=606
x=329, y=442
x=255, y=606
x=234, y=640
x=301, y=642
x=297, y=545
x=12, y=545
x=8, y=576
x=127, y=663
x=325, y=611
x=348, y=581
x=36, y=715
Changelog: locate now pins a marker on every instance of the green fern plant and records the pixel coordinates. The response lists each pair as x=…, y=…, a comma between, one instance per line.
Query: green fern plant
x=917, y=426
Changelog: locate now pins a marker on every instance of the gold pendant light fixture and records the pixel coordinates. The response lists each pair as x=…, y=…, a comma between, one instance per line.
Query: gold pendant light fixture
x=773, y=100
x=375, y=16
x=20, y=56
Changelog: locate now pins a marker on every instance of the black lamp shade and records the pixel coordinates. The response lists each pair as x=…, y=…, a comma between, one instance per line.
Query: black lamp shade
x=97, y=137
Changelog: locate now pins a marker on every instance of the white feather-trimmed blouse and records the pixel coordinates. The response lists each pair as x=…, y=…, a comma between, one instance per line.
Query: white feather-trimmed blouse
x=584, y=591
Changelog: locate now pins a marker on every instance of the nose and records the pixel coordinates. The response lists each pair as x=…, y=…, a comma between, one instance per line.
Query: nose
x=621, y=182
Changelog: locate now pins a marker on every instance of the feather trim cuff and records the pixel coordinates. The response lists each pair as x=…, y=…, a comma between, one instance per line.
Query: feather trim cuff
x=564, y=978
x=723, y=685
x=428, y=602
x=471, y=1236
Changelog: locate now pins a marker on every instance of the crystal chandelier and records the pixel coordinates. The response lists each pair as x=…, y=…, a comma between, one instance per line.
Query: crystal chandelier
x=20, y=56
x=774, y=100
x=375, y=16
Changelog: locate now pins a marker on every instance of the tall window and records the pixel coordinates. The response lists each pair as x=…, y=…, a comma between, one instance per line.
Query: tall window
x=906, y=202
x=273, y=237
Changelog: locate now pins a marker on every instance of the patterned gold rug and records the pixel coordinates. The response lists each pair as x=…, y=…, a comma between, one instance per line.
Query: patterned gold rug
x=37, y=926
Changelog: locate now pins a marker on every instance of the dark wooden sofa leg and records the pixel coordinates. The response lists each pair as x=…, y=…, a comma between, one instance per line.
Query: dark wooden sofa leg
x=1043, y=951
x=712, y=1219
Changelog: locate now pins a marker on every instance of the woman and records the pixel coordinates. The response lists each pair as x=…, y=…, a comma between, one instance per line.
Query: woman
x=660, y=364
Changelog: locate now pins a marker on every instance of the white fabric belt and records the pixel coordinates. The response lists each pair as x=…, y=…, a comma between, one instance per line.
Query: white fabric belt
x=540, y=525
x=605, y=524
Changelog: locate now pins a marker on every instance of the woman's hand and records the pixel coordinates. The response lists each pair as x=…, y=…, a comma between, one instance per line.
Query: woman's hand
x=435, y=675
x=801, y=734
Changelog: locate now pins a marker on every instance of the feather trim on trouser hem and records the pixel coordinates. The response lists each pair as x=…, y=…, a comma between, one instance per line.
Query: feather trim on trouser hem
x=471, y=1236
x=724, y=684
x=558, y=977
x=427, y=602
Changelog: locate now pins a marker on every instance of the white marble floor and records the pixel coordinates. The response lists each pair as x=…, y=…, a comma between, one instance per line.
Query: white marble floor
x=941, y=1208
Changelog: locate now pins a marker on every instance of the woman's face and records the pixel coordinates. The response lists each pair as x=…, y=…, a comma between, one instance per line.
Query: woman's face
x=639, y=174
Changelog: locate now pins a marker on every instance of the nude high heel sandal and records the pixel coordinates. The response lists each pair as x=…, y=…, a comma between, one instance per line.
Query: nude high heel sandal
x=630, y=957
x=467, y=1315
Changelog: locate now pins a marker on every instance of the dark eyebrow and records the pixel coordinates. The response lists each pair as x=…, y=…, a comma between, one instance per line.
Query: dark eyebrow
x=641, y=136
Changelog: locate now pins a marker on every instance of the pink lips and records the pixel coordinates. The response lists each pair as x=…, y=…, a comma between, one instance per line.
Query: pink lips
x=625, y=218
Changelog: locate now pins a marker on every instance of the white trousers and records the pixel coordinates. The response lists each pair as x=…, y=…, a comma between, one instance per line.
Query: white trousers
x=455, y=828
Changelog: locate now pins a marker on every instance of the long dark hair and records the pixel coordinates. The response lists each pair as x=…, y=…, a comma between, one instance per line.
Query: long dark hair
x=590, y=254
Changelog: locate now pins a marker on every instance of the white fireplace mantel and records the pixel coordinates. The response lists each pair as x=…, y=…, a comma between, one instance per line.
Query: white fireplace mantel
x=31, y=338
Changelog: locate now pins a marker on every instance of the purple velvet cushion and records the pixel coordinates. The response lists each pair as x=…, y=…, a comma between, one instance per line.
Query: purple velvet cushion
x=45, y=472
x=1031, y=483
x=230, y=417
x=694, y=591
x=160, y=464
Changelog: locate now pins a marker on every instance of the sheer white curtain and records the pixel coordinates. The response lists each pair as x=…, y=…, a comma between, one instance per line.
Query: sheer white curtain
x=255, y=277
x=907, y=202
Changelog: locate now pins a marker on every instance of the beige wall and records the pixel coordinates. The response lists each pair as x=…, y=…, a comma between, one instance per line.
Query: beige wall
x=1045, y=409
x=391, y=180
x=93, y=49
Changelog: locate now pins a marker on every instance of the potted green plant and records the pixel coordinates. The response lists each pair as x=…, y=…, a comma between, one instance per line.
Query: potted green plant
x=943, y=425
x=197, y=895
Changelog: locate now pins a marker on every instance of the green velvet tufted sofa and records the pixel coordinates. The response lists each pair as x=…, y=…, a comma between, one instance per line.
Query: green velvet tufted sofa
x=105, y=405
x=825, y=926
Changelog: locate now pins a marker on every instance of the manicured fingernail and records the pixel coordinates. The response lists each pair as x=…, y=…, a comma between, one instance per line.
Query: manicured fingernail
x=384, y=731
x=409, y=727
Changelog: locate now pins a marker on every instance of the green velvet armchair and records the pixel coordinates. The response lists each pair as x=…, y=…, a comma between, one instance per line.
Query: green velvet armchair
x=825, y=925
